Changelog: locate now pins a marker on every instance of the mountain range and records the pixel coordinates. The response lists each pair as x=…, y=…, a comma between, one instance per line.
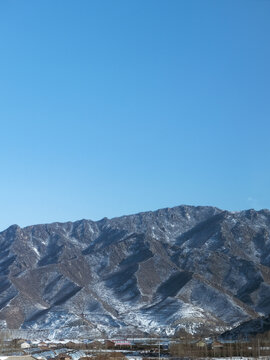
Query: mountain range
x=192, y=269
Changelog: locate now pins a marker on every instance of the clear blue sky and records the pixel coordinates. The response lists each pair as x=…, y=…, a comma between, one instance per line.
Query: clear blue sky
x=110, y=107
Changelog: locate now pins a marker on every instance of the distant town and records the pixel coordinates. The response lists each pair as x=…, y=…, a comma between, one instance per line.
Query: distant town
x=131, y=348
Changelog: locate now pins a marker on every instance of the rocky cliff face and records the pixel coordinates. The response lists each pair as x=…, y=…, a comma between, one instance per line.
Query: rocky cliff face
x=192, y=268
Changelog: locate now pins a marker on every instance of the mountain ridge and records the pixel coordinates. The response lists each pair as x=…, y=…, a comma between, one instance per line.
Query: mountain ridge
x=201, y=269
x=134, y=214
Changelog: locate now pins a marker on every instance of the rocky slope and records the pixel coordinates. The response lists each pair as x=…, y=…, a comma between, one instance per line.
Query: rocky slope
x=192, y=268
x=247, y=329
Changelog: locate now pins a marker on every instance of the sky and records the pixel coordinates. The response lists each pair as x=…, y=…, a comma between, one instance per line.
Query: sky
x=112, y=107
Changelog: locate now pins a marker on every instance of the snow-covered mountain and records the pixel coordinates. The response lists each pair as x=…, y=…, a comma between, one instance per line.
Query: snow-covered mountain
x=193, y=268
